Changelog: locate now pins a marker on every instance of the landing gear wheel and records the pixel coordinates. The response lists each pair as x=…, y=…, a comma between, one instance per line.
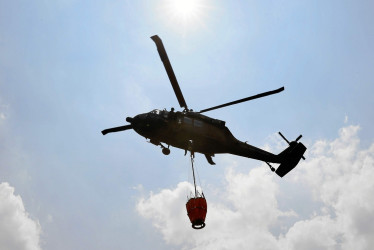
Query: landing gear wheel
x=166, y=151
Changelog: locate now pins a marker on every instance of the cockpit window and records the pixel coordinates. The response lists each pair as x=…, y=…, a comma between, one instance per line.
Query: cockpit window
x=155, y=111
x=198, y=123
x=187, y=120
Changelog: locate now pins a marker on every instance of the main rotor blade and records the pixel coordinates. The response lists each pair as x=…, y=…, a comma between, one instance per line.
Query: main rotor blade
x=116, y=129
x=244, y=99
x=169, y=70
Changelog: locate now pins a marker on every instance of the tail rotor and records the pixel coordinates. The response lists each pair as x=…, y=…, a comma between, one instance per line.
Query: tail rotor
x=293, y=142
x=291, y=156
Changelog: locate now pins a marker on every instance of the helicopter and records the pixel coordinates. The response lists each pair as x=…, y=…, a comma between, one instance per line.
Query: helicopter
x=198, y=133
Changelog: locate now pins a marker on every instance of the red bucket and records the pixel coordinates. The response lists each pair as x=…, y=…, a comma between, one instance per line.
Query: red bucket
x=196, y=211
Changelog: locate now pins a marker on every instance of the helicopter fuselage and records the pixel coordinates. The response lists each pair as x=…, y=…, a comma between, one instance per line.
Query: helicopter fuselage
x=194, y=132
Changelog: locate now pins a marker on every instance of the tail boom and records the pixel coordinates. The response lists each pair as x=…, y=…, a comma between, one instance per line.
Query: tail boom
x=288, y=159
x=249, y=151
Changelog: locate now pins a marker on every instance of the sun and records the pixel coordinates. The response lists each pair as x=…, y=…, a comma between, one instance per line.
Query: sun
x=185, y=9
x=185, y=12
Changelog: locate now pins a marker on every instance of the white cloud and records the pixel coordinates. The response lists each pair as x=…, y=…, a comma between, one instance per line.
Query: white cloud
x=236, y=222
x=338, y=175
x=17, y=230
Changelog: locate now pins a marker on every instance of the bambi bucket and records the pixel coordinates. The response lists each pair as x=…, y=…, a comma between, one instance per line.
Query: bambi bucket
x=196, y=211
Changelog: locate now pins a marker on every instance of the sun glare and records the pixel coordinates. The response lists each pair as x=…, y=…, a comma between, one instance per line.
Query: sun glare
x=184, y=8
x=185, y=12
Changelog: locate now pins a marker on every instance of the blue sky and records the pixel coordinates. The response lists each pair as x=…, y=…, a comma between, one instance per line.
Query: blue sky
x=69, y=69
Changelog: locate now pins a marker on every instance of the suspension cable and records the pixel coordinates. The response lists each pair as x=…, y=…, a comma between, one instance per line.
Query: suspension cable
x=193, y=173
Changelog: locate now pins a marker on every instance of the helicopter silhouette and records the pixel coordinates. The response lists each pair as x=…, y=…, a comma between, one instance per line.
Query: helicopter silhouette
x=195, y=132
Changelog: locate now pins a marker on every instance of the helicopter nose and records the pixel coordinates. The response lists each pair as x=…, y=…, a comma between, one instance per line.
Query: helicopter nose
x=145, y=122
x=138, y=120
